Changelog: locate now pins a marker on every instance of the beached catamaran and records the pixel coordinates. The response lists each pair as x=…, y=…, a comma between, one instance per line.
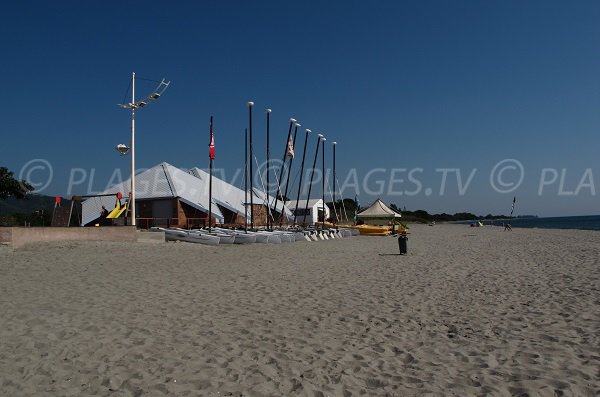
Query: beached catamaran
x=275, y=206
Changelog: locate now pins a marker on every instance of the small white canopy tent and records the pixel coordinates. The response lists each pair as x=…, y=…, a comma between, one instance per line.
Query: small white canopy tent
x=378, y=214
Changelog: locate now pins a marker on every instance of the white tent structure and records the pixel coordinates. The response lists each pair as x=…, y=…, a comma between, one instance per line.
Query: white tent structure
x=162, y=181
x=232, y=197
x=378, y=214
x=312, y=215
x=223, y=193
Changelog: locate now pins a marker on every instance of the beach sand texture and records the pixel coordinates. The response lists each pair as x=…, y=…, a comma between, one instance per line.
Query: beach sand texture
x=468, y=312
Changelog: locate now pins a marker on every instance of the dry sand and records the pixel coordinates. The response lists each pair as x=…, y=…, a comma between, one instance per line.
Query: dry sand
x=468, y=312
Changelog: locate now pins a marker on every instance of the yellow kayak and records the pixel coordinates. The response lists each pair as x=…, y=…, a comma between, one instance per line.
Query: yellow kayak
x=370, y=230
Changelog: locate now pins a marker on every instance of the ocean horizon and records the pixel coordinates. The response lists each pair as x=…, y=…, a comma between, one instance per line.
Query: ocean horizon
x=581, y=222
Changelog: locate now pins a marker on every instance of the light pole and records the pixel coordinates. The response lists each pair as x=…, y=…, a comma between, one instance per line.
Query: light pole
x=123, y=149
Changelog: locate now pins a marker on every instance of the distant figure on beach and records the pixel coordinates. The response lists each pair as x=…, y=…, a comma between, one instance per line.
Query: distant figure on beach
x=104, y=212
x=507, y=227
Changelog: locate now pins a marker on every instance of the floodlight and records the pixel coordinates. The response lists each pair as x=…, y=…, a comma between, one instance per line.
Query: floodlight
x=122, y=149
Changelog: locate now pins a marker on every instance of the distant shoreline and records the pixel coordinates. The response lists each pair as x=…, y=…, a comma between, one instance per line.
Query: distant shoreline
x=581, y=222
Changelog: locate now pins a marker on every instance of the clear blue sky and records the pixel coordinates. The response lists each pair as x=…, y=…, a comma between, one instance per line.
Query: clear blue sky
x=400, y=85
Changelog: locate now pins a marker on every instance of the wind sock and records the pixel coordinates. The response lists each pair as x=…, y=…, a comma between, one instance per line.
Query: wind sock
x=513, y=207
x=211, y=145
x=290, y=148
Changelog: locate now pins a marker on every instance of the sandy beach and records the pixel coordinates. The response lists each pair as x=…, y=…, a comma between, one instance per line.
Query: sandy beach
x=468, y=312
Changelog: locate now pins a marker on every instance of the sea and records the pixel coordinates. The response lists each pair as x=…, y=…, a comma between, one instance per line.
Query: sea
x=587, y=222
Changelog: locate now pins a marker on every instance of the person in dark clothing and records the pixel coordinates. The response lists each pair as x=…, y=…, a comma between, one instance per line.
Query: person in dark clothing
x=104, y=212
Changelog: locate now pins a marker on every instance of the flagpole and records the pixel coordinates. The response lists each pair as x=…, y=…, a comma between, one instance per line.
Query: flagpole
x=211, y=156
x=287, y=182
x=268, y=171
x=250, y=104
x=292, y=121
x=246, y=182
x=323, y=167
x=312, y=174
x=301, y=172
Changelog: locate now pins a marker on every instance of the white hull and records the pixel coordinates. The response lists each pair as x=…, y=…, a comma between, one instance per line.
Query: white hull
x=262, y=238
x=225, y=238
x=243, y=238
x=178, y=235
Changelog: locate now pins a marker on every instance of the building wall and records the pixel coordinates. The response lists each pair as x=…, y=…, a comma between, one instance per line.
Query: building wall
x=313, y=216
x=174, y=213
x=156, y=212
x=189, y=216
x=231, y=218
x=261, y=213
x=169, y=213
x=303, y=216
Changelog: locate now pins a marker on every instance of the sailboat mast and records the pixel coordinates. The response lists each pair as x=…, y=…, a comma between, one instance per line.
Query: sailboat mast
x=312, y=174
x=287, y=182
x=334, y=187
x=210, y=180
x=301, y=172
x=250, y=105
x=323, y=167
x=268, y=171
x=292, y=121
x=246, y=182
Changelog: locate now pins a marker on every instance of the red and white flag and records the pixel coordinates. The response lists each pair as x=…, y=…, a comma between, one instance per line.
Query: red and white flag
x=211, y=145
x=290, y=148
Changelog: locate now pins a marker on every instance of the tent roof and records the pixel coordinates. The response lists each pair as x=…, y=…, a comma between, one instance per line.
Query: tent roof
x=232, y=197
x=223, y=193
x=378, y=210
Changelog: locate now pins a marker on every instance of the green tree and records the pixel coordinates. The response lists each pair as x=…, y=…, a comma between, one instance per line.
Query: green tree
x=12, y=187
